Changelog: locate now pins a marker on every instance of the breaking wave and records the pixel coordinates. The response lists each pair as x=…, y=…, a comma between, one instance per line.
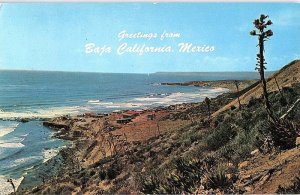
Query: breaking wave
x=40, y=113
x=5, y=187
x=49, y=153
x=7, y=128
x=149, y=100
x=162, y=99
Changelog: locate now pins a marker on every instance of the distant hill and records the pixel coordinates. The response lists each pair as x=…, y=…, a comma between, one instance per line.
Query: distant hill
x=251, y=75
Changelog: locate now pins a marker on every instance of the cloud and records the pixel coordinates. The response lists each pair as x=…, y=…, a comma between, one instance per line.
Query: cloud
x=287, y=18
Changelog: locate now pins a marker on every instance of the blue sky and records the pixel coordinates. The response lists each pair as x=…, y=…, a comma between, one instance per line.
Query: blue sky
x=52, y=36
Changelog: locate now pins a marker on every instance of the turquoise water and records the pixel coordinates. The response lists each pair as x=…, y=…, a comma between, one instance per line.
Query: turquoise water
x=33, y=94
x=26, y=145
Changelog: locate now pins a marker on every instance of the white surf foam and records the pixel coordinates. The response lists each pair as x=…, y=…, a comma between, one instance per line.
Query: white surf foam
x=148, y=99
x=7, y=128
x=6, y=187
x=11, y=145
x=15, y=142
x=164, y=99
x=21, y=161
x=40, y=113
x=100, y=103
x=93, y=101
x=177, y=98
x=155, y=84
x=141, y=102
x=50, y=153
x=27, y=169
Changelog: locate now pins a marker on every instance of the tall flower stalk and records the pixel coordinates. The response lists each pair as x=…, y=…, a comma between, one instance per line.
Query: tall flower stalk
x=263, y=35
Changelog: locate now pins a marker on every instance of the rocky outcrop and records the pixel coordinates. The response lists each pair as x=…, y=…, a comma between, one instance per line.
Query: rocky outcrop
x=54, y=125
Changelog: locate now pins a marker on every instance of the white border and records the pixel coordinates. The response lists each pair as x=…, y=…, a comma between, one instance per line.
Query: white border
x=150, y=1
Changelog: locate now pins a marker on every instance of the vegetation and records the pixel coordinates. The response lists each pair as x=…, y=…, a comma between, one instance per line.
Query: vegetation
x=214, y=160
x=282, y=133
x=293, y=189
x=237, y=90
x=201, y=157
x=260, y=24
x=197, y=157
x=207, y=101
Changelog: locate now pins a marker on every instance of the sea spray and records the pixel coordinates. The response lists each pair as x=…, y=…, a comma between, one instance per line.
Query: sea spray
x=23, y=149
x=5, y=187
x=7, y=127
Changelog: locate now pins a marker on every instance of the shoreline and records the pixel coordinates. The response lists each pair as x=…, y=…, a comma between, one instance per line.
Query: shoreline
x=83, y=127
x=90, y=132
x=218, y=84
x=58, y=133
x=18, y=155
x=24, y=117
x=6, y=187
x=106, y=154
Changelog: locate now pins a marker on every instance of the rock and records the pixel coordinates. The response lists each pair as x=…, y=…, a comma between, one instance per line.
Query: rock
x=248, y=188
x=243, y=164
x=55, y=125
x=230, y=164
x=298, y=141
x=77, y=133
x=279, y=172
x=254, y=152
x=229, y=176
x=264, y=179
x=200, y=190
x=24, y=120
x=90, y=114
x=245, y=177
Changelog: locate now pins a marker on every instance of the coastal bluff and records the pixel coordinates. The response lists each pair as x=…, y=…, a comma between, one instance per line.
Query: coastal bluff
x=181, y=148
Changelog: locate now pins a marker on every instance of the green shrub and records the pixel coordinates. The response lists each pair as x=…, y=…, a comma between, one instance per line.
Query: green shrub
x=220, y=137
x=217, y=179
x=283, y=134
x=225, y=153
x=113, y=171
x=102, y=174
x=150, y=184
x=182, y=176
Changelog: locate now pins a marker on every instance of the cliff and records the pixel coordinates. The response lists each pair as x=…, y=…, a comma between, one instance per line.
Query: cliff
x=181, y=149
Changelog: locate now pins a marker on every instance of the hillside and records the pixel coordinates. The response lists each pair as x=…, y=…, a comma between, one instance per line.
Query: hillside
x=287, y=76
x=181, y=150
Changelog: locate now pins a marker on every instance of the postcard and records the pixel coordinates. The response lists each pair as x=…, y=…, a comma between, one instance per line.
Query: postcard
x=149, y=98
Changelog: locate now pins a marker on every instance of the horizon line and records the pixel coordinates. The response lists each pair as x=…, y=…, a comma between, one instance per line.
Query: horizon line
x=150, y=1
x=158, y=72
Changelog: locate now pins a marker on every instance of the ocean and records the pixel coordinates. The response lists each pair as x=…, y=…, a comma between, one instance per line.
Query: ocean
x=41, y=94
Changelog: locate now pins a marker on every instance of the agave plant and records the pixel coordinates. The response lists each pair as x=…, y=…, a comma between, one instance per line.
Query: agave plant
x=263, y=35
x=283, y=133
x=236, y=83
x=208, y=101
